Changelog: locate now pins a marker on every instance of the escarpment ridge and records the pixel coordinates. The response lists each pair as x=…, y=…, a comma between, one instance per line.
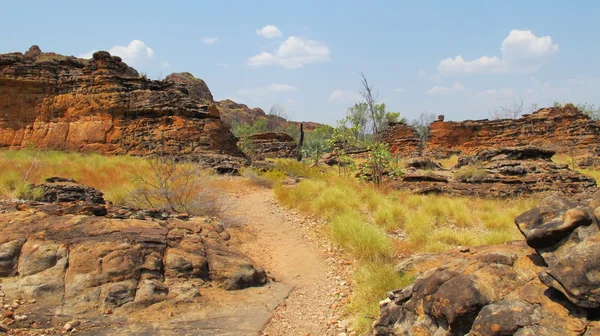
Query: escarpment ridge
x=102, y=104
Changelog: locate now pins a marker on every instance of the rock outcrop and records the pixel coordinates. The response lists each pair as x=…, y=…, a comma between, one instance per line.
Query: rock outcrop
x=563, y=130
x=403, y=139
x=500, y=173
x=270, y=146
x=550, y=287
x=101, y=104
x=243, y=114
x=65, y=263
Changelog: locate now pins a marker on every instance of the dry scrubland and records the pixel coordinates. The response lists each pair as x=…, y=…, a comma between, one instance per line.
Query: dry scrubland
x=371, y=223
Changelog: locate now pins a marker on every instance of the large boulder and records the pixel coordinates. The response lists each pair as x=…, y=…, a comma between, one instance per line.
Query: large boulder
x=550, y=287
x=80, y=265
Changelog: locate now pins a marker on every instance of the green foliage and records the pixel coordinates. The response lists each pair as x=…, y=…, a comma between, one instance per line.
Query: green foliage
x=378, y=161
x=364, y=241
x=373, y=281
x=294, y=168
x=246, y=129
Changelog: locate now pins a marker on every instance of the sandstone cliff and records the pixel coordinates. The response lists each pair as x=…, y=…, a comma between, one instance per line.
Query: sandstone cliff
x=402, y=138
x=102, y=104
x=563, y=130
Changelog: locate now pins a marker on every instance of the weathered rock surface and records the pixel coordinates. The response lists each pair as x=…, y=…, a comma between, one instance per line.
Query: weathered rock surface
x=499, y=173
x=510, y=289
x=563, y=130
x=122, y=263
x=270, y=145
x=403, y=139
x=101, y=104
x=567, y=235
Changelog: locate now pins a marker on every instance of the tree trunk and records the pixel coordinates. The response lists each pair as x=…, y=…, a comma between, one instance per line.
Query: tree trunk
x=300, y=142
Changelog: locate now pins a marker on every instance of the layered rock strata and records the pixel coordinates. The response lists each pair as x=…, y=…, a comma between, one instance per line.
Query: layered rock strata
x=270, y=146
x=564, y=130
x=499, y=173
x=78, y=258
x=101, y=104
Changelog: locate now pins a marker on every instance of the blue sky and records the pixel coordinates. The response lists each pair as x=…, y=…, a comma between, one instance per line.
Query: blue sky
x=462, y=59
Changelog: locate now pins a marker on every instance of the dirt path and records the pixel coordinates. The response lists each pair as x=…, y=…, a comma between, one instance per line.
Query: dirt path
x=286, y=244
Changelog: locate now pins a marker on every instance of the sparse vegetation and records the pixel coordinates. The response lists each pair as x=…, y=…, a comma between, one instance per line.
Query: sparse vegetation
x=374, y=225
x=471, y=173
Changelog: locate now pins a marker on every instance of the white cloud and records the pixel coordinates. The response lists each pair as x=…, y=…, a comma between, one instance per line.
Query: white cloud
x=294, y=52
x=164, y=64
x=442, y=90
x=343, y=96
x=266, y=90
x=133, y=53
x=522, y=51
x=421, y=73
x=209, y=40
x=269, y=32
x=504, y=92
x=399, y=90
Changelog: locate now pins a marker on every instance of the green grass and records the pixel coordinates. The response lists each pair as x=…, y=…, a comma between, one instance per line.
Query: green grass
x=362, y=240
x=371, y=281
x=360, y=216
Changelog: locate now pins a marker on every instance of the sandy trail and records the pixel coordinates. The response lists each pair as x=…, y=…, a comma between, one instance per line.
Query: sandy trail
x=286, y=245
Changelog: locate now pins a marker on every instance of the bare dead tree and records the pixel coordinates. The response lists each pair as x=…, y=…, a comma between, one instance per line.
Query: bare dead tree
x=510, y=111
x=276, y=113
x=371, y=98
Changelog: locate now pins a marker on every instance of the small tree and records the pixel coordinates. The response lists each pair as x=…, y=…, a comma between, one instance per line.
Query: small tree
x=421, y=126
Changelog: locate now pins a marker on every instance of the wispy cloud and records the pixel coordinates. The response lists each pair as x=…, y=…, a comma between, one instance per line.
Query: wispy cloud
x=209, y=40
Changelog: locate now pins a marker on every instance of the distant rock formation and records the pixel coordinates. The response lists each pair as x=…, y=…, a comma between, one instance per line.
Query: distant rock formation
x=564, y=130
x=270, y=146
x=549, y=288
x=101, y=104
x=231, y=111
x=496, y=173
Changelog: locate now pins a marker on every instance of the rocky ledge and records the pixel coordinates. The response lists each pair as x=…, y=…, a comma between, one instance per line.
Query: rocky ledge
x=272, y=145
x=550, y=287
x=74, y=258
x=496, y=173
x=101, y=104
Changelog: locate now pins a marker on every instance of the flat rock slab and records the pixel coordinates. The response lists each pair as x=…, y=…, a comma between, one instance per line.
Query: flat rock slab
x=235, y=313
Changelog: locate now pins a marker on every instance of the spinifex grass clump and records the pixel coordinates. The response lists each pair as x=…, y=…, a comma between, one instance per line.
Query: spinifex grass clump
x=373, y=225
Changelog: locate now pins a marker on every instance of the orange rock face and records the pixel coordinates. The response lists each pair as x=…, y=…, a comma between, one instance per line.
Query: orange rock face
x=58, y=102
x=564, y=130
x=402, y=138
